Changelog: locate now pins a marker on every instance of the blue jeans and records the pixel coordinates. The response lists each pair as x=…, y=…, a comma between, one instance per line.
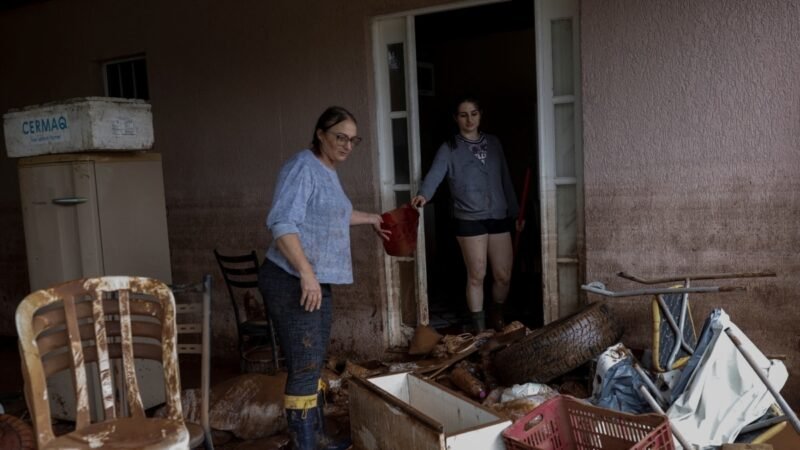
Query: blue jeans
x=302, y=335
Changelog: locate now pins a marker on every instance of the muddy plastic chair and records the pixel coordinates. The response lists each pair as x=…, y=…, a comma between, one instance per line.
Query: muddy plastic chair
x=108, y=321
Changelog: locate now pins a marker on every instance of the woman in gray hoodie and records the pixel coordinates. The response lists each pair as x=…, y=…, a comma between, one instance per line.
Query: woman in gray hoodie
x=484, y=205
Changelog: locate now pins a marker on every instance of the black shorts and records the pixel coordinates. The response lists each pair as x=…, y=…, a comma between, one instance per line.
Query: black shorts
x=479, y=227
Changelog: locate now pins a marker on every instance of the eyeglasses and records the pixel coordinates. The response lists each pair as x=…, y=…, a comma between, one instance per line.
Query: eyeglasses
x=342, y=139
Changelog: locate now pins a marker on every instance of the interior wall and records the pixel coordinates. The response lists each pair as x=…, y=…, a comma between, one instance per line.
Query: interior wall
x=235, y=91
x=691, y=131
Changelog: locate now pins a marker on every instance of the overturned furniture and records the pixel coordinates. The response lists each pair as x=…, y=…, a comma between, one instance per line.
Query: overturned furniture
x=404, y=411
x=721, y=381
x=106, y=320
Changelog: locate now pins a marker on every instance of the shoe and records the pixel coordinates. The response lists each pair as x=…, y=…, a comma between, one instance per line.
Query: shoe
x=302, y=428
x=478, y=321
x=496, y=316
x=323, y=441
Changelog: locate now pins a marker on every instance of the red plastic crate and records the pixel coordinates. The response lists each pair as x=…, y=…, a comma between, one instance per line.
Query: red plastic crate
x=563, y=423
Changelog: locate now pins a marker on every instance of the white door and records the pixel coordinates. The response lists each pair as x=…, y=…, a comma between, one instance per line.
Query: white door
x=560, y=155
x=398, y=140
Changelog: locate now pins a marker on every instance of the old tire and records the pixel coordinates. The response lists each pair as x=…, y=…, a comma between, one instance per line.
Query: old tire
x=15, y=434
x=559, y=347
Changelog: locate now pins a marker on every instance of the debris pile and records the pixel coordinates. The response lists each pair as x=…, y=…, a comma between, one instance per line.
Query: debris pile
x=714, y=389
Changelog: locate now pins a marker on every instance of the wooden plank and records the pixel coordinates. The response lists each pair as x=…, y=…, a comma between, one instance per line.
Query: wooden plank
x=449, y=362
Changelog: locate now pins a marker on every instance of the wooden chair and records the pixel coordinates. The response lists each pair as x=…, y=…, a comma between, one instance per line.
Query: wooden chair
x=110, y=321
x=241, y=277
x=193, y=318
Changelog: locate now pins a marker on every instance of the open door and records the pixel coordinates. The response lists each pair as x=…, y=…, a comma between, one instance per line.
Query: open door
x=398, y=138
x=560, y=155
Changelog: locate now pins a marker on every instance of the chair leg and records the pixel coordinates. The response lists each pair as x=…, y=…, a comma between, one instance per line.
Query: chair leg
x=242, y=361
x=208, y=444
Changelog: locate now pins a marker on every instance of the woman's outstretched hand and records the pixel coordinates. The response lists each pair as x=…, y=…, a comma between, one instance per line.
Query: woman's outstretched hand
x=376, y=220
x=418, y=201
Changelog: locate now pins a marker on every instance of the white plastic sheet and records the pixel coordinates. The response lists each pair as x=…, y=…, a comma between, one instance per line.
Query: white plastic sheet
x=724, y=394
x=519, y=391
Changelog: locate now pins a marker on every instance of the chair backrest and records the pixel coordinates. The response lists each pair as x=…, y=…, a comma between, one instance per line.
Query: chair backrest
x=107, y=320
x=193, y=318
x=240, y=272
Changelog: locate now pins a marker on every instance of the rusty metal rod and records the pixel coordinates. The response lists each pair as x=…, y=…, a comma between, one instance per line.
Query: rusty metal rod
x=787, y=410
x=655, y=291
x=713, y=276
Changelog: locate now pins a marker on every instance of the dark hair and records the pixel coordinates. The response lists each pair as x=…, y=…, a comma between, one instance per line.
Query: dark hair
x=329, y=118
x=451, y=139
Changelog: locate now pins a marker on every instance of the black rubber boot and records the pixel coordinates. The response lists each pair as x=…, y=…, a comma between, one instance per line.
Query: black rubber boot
x=496, y=316
x=303, y=428
x=478, y=321
x=323, y=441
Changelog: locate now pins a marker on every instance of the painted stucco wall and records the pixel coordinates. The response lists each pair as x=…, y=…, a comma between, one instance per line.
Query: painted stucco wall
x=235, y=91
x=692, y=155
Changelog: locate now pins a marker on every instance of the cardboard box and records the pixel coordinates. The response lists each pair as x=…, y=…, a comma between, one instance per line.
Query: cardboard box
x=80, y=124
x=404, y=411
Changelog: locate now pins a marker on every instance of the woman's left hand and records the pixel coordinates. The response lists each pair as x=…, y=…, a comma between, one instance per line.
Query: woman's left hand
x=520, y=224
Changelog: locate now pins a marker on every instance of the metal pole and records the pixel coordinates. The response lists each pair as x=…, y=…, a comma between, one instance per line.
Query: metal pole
x=713, y=276
x=654, y=291
x=653, y=404
x=649, y=383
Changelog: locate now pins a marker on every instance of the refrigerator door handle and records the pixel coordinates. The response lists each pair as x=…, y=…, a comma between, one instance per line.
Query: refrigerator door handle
x=69, y=201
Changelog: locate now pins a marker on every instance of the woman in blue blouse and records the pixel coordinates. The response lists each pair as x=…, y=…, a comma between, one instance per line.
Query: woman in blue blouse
x=310, y=222
x=484, y=204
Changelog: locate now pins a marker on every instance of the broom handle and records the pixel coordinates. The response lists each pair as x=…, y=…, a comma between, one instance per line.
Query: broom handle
x=524, y=201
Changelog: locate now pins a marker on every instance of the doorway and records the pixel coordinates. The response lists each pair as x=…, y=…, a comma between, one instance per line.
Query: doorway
x=522, y=58
x=487, y=52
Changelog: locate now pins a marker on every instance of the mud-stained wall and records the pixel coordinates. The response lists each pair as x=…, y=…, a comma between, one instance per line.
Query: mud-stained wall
x=235, y=91
x=691, y=133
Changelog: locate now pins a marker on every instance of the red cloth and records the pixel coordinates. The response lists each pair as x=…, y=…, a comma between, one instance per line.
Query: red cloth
x=402, y=222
